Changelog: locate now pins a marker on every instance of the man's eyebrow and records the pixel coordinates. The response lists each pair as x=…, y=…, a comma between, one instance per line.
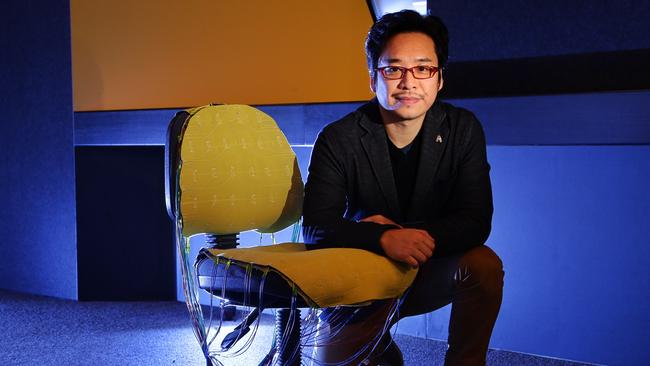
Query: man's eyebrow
x=394, y=60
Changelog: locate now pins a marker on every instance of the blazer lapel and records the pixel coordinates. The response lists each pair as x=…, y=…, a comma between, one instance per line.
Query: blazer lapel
x=434, y=139
x=375, y=146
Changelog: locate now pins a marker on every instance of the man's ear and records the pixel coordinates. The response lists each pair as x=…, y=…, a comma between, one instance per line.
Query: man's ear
x=373, y=85
x=441, y=80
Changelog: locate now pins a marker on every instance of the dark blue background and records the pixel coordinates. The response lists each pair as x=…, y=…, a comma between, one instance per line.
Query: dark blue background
x=570, y=166
x=508, y=29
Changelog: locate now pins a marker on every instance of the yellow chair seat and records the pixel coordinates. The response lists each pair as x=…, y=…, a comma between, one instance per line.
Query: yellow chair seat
x=329, y=277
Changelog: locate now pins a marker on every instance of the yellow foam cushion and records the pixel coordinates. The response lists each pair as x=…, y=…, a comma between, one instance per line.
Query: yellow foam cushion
x=238, y=173
x=330, y=277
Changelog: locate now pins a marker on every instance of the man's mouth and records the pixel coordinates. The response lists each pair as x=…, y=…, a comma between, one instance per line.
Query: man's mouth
x=407, y=100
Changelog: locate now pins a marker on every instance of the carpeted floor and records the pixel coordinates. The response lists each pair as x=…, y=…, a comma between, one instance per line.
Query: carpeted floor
x=37, y=330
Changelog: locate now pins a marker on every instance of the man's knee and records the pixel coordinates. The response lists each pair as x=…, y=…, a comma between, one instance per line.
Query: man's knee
x=480, y=267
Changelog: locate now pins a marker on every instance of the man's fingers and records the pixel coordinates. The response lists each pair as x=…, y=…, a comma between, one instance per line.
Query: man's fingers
x=425, y=250
x=412, y=262
x=426, y=239
x=410, y=246
x=427, y=244
x=419, y=256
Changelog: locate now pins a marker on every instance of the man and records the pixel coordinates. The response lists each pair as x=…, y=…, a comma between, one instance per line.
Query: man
x=406, y=176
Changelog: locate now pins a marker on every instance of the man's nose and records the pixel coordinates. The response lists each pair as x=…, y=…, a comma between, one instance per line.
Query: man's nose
x=408, y=80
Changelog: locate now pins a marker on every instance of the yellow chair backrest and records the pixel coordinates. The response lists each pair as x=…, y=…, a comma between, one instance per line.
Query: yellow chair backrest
x=237, y=173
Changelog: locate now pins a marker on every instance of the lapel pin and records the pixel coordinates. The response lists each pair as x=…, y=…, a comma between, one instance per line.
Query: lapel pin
x=439, y=139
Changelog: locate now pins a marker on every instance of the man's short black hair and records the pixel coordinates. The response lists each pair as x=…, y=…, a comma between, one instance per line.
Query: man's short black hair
x=405, y=21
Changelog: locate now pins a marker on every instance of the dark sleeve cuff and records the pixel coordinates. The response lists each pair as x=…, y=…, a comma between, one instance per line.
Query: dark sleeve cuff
x=359, y=235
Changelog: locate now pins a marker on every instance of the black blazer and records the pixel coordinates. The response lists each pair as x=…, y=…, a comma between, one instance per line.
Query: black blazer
x=350, y=177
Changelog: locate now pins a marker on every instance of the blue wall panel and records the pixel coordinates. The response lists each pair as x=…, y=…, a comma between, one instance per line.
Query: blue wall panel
x=115, y=128
x=487, y=30
x=302, y=123
x=502, y=48
x=37, y=220
x=571, y=226
x=573, y=119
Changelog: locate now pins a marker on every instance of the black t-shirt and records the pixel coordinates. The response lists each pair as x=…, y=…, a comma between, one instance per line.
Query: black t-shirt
x=405, y=166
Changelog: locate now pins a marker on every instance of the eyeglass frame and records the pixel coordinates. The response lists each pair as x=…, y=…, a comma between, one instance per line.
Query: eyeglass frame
x=433, y=70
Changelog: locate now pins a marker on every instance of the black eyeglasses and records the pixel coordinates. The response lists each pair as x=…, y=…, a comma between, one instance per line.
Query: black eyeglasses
x=398, y=72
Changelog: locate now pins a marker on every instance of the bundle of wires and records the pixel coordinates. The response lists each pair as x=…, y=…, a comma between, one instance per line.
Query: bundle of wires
x=303, y=335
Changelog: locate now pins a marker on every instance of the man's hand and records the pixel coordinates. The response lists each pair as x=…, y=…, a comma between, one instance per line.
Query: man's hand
x=380, y=219
x=411, y=246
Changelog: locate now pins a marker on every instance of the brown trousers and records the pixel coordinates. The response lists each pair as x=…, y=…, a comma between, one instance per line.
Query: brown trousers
x=472, y=282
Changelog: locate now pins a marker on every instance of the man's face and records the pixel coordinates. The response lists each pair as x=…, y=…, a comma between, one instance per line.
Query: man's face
x=407, y=98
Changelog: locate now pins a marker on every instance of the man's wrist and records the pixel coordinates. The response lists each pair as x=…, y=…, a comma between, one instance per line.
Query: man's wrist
x=381, y=241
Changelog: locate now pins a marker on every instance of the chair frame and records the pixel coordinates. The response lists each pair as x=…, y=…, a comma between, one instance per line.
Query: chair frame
x=285, y=352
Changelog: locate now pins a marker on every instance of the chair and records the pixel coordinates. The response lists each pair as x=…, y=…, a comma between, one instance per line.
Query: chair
x=230, y=169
